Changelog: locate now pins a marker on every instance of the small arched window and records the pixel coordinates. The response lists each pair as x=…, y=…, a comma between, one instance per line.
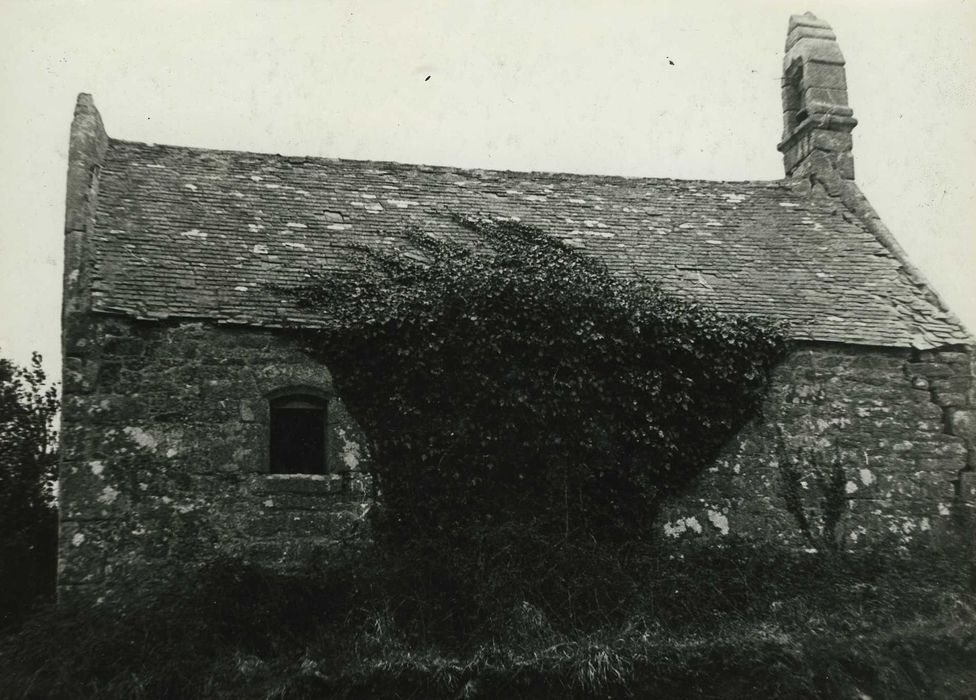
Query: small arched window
x=298, y=434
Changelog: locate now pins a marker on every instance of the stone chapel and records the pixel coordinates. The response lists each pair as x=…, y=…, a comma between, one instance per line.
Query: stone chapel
x=194, y=428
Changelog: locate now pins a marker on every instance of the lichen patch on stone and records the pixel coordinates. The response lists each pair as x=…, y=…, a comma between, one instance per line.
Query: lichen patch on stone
x=141, y=437
x=351, y=451
x=108, y=495
x=719, y=520
x=682, y=525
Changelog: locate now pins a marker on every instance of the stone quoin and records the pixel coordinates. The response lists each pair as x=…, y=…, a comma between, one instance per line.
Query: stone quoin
x=182, y=395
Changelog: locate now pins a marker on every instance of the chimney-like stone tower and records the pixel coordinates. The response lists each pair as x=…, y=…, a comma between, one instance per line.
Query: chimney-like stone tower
x=817, y=121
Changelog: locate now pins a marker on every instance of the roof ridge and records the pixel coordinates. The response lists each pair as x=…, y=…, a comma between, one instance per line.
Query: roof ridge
x=783, y=182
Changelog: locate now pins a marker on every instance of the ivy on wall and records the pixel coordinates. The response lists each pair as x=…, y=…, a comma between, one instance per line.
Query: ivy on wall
x=518, y=380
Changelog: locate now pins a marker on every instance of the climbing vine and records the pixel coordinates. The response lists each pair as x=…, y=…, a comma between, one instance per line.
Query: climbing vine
x=517, y=380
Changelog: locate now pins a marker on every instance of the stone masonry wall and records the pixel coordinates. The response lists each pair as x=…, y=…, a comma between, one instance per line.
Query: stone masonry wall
x=899, y=422
x=165, y=456
x=165, y=435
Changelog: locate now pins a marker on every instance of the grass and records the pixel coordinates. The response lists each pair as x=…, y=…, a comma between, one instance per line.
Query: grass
x=733, y=622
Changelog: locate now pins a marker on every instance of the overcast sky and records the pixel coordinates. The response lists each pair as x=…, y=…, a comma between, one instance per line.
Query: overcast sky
x=584, y=87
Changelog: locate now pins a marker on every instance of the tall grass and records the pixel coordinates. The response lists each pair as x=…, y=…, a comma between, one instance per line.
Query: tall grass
x=737, y=621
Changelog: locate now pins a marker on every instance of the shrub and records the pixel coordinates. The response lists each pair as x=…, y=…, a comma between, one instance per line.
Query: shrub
x=818, y=516
x=515, y=379
x=28, y=466
x=735, y=621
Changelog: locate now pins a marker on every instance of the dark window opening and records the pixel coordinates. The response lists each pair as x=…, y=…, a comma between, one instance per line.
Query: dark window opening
x=298, y=425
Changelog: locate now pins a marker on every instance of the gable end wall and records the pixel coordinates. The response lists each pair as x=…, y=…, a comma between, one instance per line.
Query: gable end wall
x=902, y=424
x=165, y=458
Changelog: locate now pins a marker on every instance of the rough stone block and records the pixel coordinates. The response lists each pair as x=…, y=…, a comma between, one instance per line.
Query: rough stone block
x=813, y=48
x=949, y=398
x=74, y=408
x=807, y=19
x=253, y=410
x=800, y=32
x=966, y=487
x=300, y=484
x=116, y=408
x=89, y=495
x=869, y=360
x=901, y=488
x=81, y=552
x=288, y=501
x=292, y=554
x=122, y=346
x=824, y=75
x=824, y=96
x=75, y=442
x=951, y=447
x=276, y=376
x=962, y=423
x=791, y=98
x=291, y=524
x=789, y=122
x=957, y=384
x=253, y=340
x=78, y=376
x=929, y=370
x=108, y=375
x=951, y=357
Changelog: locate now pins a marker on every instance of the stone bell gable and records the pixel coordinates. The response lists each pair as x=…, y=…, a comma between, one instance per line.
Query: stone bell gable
x=194, y=427
x=817, y=121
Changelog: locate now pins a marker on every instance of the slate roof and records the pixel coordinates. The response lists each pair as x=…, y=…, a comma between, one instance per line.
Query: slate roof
x=186, y=232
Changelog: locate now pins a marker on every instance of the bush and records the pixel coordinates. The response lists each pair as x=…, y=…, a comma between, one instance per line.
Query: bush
x=738, y=621
x=28, y=469
x=514, y=379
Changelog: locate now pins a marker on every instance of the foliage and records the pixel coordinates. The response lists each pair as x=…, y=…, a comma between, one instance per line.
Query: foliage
x=813, y=474
x=28, y=465
x=763, y=622
x=819, y=522
x=514, y=379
